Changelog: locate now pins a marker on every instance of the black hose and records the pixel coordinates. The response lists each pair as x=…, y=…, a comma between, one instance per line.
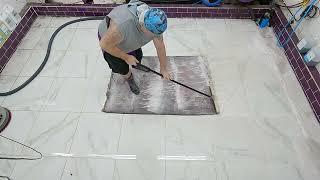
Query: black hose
x=34, y=75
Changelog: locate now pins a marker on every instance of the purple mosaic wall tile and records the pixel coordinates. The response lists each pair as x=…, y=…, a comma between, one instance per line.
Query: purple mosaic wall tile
x=316, y=75
x=306, y=74
x=316, y=107
x=310, y=95
x=312, y=85
x=317, y=95
x=173, y=11
x=16, y=36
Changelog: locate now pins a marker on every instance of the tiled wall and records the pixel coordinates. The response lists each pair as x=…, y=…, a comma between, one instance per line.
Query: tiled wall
x=308, y=77
x=21, y=30
x=173, y=11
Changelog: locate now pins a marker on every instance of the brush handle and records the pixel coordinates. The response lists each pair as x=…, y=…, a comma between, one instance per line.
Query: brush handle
x=159, y=74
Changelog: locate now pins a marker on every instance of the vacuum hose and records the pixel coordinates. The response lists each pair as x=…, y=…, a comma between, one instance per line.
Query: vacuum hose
x=211, y=4
x=47, y=54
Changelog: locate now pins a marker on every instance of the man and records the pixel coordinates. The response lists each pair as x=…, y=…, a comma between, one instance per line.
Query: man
x=125, y=30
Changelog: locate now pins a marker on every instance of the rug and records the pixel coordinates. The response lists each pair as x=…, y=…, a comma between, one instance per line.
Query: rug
x=159, y=96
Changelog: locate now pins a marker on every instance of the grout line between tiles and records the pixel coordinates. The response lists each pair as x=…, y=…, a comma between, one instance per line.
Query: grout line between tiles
x=118, y=144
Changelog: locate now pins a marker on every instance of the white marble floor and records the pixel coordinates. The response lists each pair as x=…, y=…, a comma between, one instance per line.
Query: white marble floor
x=265, y=129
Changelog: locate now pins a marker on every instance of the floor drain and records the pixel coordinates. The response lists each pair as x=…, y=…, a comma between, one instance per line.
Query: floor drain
x=5, y=117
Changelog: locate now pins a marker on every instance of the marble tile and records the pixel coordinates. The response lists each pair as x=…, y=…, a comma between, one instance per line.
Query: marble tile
x=228, y=78
x=47, y=168
x=296, y=94
x=58, y=21
x=301, y=106
x=97, y=133
x=61, y=41
x=32, y=38
x=260, y=45
x=150, y=50
x=85, y=62
x=17, y=130
x=219, y=44
x=85, y=39
x=92, y=24
x=139, y=169
x=6, y=83
x=184, y=136
x=189, y=170
x=42, y=22
x=96, y=94
x=85, y=168
x=241, y=25
x=260, y=170
x=243, y=143
x=102, y=68
x=66, y=94
x=265, y=95
x=50, y=69
x=212, y=25
x=53, y=132
x=143, y=136
x=206, y=139
x=267, y=33
x=184, y=43
x=6, y=168
x=307, y=149
x=32, y=97
x=182, y=24
x=16, y=62
x=281, y=133
x=282, y=64
x=243, y=39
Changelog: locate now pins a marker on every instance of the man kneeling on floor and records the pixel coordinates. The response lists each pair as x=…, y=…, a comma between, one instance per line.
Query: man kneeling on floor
x=125, y=30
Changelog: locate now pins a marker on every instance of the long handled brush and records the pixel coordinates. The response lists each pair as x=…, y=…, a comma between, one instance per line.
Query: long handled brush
x=147, y=69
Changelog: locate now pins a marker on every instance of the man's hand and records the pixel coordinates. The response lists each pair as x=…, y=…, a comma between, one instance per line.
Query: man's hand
x=131, y=60
x=165, y=74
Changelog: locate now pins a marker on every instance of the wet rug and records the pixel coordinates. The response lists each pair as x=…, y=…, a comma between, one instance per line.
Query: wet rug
x=158, y=96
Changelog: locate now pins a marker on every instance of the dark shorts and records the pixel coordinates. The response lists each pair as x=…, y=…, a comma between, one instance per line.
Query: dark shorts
x=116, y=64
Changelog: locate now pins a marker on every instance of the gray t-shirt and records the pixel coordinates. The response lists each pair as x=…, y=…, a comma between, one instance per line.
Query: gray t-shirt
x=126, y=18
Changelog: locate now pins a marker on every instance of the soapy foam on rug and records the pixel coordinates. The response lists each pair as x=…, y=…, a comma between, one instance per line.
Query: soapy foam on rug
x=158, y=96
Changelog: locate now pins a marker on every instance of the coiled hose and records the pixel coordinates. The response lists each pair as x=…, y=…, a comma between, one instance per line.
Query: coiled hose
x=211, y=4
x=34, y=75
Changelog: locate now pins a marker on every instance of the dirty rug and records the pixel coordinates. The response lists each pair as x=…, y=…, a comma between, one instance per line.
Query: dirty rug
x=158, y=96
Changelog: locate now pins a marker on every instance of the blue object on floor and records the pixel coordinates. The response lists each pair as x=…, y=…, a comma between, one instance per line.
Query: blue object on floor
x=211, y=4
x=264, y=22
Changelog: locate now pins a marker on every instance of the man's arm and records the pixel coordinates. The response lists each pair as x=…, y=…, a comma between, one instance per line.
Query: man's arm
x=109, y=42
x=161, y=51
